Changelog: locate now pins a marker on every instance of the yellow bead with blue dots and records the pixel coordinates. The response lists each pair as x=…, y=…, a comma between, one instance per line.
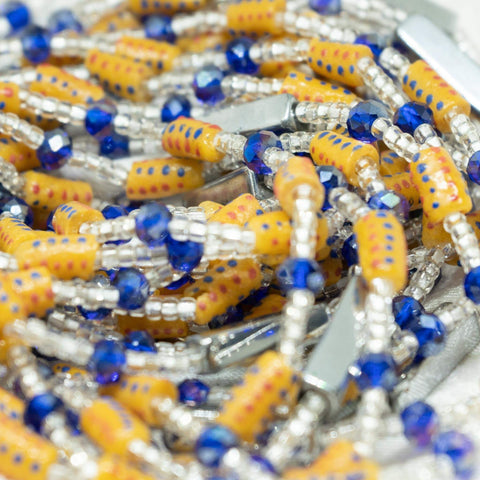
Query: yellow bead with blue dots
x=402, y=183
x=238, y=211
x=391, y=163
x=422, y=84
x=210, y=207
x=158, y=329
x=337, y=61
x=382, y=248
x=169, y=7
x=68, y=217
x=111, y=467
x=13, y=232
x=332, y=268
x=10, y=98
x=69, y=371
x=11, y=406
x=441, y=186
x=270, y=305
x=267, y=384
x=433, y=234
x=18, y=154
x=115, y=21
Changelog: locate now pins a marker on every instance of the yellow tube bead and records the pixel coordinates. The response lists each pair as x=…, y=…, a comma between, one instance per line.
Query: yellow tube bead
x=189, y=138
x=154, y=54
x=342, y=152
x=65, y=256
x=391, y=163
x=382, y=248
x=13, y=233
x=270, y=305
x=441, y=186
x=111, y=426
x=69, y=371
x=121, y=76
x=115, y=21
x=18, y=154
x=204, y=41
x=137, y=392
x=433, y=234
x=11, y=306
x=163, y=177
x=268, y=383
x=295, y=172
x=158, y=329
x=210, y=208
x=423, y=84
x=149, y=7
x=24, y=454
x=11, y=406
x=68, y=217
x=46, y=192
x=402, y=183
x=227, y=284
x=276, y=69
x=332, y=268
x=110, y=467
x=238, y=211
x=10, y=98
x=337, y=61
x=306, y=88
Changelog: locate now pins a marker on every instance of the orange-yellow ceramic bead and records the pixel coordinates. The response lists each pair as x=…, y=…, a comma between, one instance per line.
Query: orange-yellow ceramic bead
x=111, y=467
x=342, y=152
x=158, y=329
x=433, y=234
x=295, y=172
x=115, y=21
x=238, y=211
x=163, y=177
x=338, y=461
x=255, y=17
x=382, y=248
x=441, y=186
x=267, y=384
x=111, y=426
x=225, y=285
x=210, y=208
x=276, y=69
x=189, y=138
x=55, y=82
x=68, y=217
x=306, y=88
x=332, y=268
x=423, y=84
x=11, y=305
x=391, y=163
x=149, y=7
x=270, y=305
x=402, y=183
x=9, y=93
x=204, y=41
x=14, y=232
x=69, y=371
x=36, y=454
x=137, y=392
x=10, y=405
x=337, y=61
x=18, y=154
x=65, y=256
x=121, y=76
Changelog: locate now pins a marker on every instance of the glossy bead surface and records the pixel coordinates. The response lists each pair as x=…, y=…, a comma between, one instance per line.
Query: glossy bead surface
x=473, y=168
x=114, y=146
x=99, y=119
x=430, y=333
x=107, y=362
x=159, y=27
x=140, y=341
x=39, y=407
x=255, y=147
x=350, y=250
x=36, y=44
x=392, y=201
x=459, y=448
x=472, y=285
x=374, y=41
x=376, y=370
x=330, y=177
x=420, y=423
x=132, y=286
x=64, y=19
x=300, y=273
x=17, y=208
x=238, y=56
x=98, y=314
x=405, y=310
x=361, y=119
x=114, y=211
x=207, y=85
x=184, y=256
x=174, y=107
x=411, y=115
x=55, y=150
x=17, y=14
x=193, y=392
x=151, y=224
x=326, y=7
x=213, y=443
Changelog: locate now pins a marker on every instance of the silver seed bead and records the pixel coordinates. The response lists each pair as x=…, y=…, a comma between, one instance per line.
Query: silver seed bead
x=393, y=61
x=237, y=85
x=320, y=113
x=138, y=127
x=10, y=179
x=403, y=144
x=89, y=295
x=285, y=50
x=297, y=141
x=21, y=131
x=350, y=205
x=195, y=61
x=230, y=144
x=369, y=178
x=165, y=308
x=121, y=228
x=133, y=254
x=465, y=132
x=275, y=157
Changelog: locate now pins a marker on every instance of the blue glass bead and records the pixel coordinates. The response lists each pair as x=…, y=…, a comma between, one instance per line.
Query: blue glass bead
x=73, y=421
x=350, y=250
x=55, y=150
x=184, y=256
x=141, y=341
x=180, y=282
x=473, y=168
x=98, y=314
x=38, y=408
x=405, y=310
x=326, y=7
x=361, y=118
x=411, y=115
x=301, y=273
x=207, y=85
x=374, y=41
x=151, y=224
x=376, y=370
x=114, y=211
x=254, y=149
x=193, y=392
x=159, y=27
x=330, y=177
x=472, y=285
x=64, y=19
x=115, y=146
x=391, y=201
x=36, y=44
x=175, y=106
x=50, y=221
x=213, y=443
x=459, y=448
x=420, y=423
x=238, y=56
x=17, y=14
x=99, y=119
x=18, y=209
x=263, y=463
x=107, y=362
x=132, y=286
x=431, y=334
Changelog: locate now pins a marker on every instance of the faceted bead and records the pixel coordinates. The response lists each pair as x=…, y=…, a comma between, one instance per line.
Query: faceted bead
x=238, y=56
x=141, y=341
x=98, y=314
x=114, y=211
x=159, y=27
x=184, y=256
x=459, y=448
x=472, y=285
x=50, y=221
x=255, y=147
x=132, y=286
x=99, y=119
x=175, y=106
x=107, y=362
x=392, y=201
x=473, y=168
x=350, y=250
x=374, y=41
x=376, y=370
x=207, y=85
x=330, y=177
x=361, y=118
x=55, y=150
x=64, y=19
x=38, y=408
x=151, y=224
x=406, y=310
x=36, y=44
x=115, y=146
x=411, y=115
x=213, y=443
x=193, y=392
x=420, y=423
x=430, y=333
x=18, y=209
x=17, y=14
x=300, y=273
